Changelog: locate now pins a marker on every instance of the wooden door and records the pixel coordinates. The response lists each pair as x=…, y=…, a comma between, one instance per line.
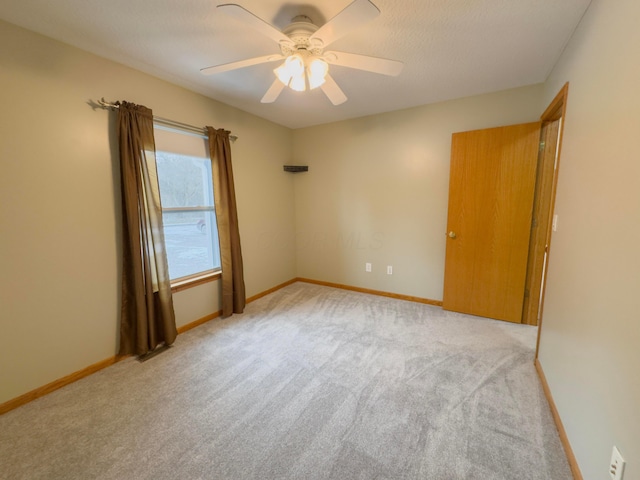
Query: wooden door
x=491, y=188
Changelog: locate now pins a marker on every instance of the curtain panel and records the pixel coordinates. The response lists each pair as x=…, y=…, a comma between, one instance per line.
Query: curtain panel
x=147, y=316
x=233, y=290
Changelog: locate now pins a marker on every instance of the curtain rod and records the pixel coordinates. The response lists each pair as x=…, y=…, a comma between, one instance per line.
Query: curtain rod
x=166, y=122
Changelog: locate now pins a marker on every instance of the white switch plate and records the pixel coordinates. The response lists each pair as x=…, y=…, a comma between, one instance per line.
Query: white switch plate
x=554, y=224
x=616, y=469
x=367, y=267
x=389, y=270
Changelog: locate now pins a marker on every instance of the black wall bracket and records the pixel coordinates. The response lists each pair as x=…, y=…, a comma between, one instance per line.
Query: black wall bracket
x=296, y=168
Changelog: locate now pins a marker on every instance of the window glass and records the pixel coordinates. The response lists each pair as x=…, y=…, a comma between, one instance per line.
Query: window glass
x=186, y=191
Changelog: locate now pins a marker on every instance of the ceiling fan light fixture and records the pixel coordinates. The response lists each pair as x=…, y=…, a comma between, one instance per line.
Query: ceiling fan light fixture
x=317, y=72
x=283, y=74
x=292, y=67
x=297, y=83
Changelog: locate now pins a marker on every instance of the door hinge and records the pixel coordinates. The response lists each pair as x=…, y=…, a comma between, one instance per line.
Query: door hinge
x=541, y=146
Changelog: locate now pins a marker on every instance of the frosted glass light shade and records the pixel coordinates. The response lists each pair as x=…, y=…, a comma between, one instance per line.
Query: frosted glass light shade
x=297, y=83
x=317, y=71
x=292, y=67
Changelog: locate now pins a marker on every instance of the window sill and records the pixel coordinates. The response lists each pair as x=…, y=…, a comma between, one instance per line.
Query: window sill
x=194, y=280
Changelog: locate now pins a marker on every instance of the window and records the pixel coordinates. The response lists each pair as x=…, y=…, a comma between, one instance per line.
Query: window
x=186, y=191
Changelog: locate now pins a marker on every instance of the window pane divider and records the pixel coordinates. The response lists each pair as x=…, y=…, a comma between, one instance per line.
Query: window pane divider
x=188, y=209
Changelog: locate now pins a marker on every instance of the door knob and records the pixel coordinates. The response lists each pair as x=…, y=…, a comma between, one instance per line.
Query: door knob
x=452, y=234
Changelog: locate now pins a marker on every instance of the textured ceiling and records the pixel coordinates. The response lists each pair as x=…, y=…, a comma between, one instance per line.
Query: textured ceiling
x=450, y=48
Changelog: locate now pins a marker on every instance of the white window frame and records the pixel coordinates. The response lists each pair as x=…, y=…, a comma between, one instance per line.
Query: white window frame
x=181, y=283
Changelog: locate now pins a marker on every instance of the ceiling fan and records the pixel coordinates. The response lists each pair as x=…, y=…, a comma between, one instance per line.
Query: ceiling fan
x=302, y=47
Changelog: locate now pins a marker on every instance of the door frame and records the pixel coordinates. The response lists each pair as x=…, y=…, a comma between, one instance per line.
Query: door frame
x=556, y=109
x=542, y=211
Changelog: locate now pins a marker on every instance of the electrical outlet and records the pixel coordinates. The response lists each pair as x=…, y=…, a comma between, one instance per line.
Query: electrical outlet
x=367, y=267
x=389, y=270
x=616, y=468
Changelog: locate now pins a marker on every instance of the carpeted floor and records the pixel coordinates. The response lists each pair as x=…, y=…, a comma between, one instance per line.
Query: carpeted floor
x=309, y=383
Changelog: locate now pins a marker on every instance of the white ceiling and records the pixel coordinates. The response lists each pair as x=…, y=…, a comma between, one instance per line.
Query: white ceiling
x=450, y=48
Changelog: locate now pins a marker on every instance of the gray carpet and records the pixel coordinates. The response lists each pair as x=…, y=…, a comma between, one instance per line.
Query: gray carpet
x=309, y=383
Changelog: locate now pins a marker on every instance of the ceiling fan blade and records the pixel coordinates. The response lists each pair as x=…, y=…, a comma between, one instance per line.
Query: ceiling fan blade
x=225, y=67
x=364, y=62
x=333, y=91
x=256, y=23
x=354, y=15
x=274, y=91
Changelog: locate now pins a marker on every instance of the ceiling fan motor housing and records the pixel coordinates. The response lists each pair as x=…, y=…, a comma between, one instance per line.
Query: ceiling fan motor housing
x=299, y=32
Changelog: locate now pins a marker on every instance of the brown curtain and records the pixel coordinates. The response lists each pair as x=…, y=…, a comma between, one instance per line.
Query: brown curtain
x=148, y=318
x=233, y=294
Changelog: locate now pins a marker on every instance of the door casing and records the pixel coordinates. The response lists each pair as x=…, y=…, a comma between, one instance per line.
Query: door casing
x=556, y=109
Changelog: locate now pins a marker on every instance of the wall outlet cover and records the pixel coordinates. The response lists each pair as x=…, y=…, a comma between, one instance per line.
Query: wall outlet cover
x=616, y=468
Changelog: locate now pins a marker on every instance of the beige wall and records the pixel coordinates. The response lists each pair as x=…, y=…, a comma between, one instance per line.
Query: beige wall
x=59, y=207
x=590, y=345
x=377, y=191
